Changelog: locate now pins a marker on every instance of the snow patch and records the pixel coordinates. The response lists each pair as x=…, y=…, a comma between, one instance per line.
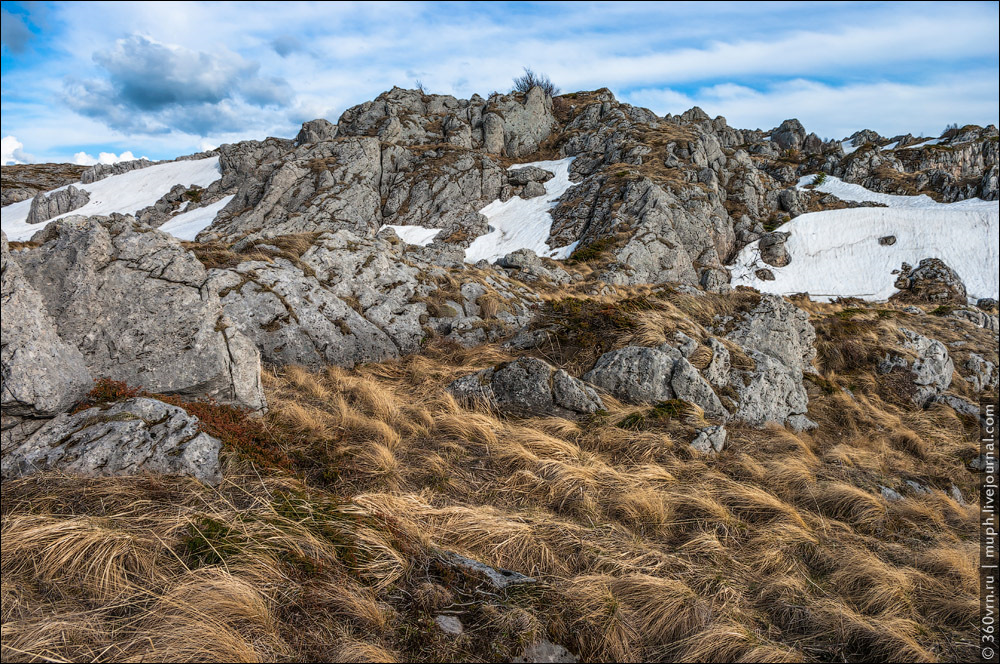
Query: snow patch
x=837, y=253
x=125, y=194
x=418, y=235
x=524, y=224
x=187, y=225
x=855, y=192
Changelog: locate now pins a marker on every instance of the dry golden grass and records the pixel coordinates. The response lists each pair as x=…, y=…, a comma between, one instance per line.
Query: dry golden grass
x=778, y=549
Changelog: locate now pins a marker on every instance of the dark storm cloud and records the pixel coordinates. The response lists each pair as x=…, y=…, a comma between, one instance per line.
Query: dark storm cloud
x=154, y=87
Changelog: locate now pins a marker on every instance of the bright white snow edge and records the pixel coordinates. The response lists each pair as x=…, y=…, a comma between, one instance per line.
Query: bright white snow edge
x=855, y=192
x=418, y=235
x=187, y=225
x=520, y=223
x=125, y=194
x=516, y=223
x=836, y=253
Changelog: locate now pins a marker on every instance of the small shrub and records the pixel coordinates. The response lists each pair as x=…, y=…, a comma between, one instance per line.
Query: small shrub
x=531, y=80
x=819, y=179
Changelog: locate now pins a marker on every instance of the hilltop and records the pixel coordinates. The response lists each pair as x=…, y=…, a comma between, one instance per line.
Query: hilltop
x=510, y=377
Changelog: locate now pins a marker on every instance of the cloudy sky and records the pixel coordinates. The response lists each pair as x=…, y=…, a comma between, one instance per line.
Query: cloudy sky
x=163, y=79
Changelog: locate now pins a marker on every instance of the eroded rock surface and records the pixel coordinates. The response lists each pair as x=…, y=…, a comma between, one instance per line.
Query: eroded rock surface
x=129, y=438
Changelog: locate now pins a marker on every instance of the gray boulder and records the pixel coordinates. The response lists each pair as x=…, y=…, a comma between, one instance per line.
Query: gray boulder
x=770, y=392
x=710, y=439
x=101, y=171
x=522, y=176
x=648, y=375
x=293, y=319
x=139, y=309
x=780, y=329
x=61, y=201
x=772, y=249
x=528, y=386
x=932, y=282
x=790, y=135
x=41, y=374
x=315, y=131
x=928, y=361
x=982, y=373
x=129, y=438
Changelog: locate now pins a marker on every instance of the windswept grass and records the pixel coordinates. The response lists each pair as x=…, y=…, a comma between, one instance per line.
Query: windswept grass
x=780, y=548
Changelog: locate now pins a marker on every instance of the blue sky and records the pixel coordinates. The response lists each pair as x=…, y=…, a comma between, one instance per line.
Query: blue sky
x=164, y=79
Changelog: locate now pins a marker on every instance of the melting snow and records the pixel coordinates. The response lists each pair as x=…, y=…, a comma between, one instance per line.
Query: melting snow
x=187, y=225
x=836, y=253
x=418, y=235
x=126, y=193
x=523, y=224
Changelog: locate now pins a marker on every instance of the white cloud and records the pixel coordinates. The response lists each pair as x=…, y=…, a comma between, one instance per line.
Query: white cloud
x=836, y=111
x=345, y=54
x=12, y=151
x=84, y=159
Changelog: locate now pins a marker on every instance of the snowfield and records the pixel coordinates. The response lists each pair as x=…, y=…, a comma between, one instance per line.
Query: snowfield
x=187, y=225
x=837, y=253
x=417, y=235
x=524, y=224
x=126, y=194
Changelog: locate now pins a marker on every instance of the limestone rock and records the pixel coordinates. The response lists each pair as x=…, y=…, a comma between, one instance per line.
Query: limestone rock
x=932, y=282
x=101, y=171
x=710, y=439
x=528, y=386
x=315, y=131
x=61, y=201
x=42, y=375
x=136, y=305
x=791, y=135
x=929, y=362
x=132, y=437
x=772, y=249
x=293, y=319
x=635, y=373
x=982, y=373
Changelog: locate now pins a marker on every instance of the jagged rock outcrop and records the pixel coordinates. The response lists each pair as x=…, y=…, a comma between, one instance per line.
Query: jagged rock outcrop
x=790, y=135
x=100, y=171
x=138, y=308
x=648, y=375
x=982, y=374
x=135, y=436
x=775, y=338
x=779, y=339
x=512, y=125
x=329, y=185
x=772, y=249
x=931, y=282
x=41, y=374
x=315, y=131
x=46, y=206
x=928, y=362
x=528, y=386
x=292, y=319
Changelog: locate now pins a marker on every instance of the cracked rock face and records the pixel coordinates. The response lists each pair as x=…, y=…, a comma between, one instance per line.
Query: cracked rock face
x=129, y=438
x=529, y=386
x=648, y=375
x=46, y=206
x=138, y=308
x=932, y=282
x=927, y=360
x=42, y=375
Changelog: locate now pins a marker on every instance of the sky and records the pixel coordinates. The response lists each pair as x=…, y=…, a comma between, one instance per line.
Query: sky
x=92, y=81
